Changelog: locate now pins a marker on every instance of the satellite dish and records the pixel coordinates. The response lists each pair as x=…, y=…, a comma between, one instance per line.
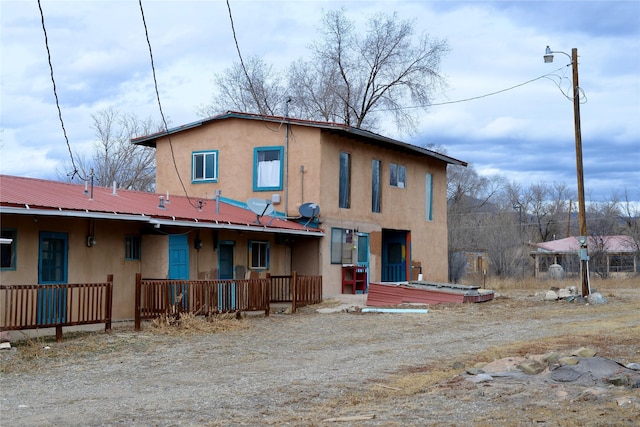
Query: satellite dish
x=309, y=210
x=260, y=207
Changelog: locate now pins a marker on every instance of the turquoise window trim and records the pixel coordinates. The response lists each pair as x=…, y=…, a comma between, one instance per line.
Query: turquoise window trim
x=13, y=249
x=429, y=196
x=256, y=151
x=213, y=168
x=44, y=236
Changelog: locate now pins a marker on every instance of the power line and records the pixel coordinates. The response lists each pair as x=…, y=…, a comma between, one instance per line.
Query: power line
x=55, y=94
x=164, y=121
x=476, y=97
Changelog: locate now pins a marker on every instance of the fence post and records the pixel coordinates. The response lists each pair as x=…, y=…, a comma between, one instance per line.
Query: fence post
x=294, y=292
x=267, y=296
x=138, y=300
x=108, y=303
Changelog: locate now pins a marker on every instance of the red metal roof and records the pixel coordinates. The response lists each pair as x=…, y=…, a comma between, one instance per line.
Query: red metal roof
x=28, y=195
x=614, y=244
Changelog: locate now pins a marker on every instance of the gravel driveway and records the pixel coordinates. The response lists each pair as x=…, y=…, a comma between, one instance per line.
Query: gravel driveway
x=280, y=370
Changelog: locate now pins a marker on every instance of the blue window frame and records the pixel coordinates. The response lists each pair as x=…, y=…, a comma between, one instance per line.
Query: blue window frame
x=53, y=259
x=204, y=166
x=344, y=191
x=8, y=248
x=397, y=175
x=267, y=168
x=258, y=255
x=376, y=191
x=429, y=196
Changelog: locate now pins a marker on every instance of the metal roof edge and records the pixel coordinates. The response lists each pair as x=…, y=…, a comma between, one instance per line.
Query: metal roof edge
x=147, y=140
x=154, y=220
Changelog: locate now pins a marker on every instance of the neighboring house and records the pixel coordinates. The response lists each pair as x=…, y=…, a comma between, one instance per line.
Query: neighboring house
x=609, y=255
x=54, y=232
x=381, y=202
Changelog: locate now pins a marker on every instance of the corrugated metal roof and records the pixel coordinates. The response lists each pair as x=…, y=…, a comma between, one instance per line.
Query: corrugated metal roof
x=30, y=196
x=613, y=244
x=341, y=129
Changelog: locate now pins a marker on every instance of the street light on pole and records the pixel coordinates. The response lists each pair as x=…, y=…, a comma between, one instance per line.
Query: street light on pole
x=582, y=219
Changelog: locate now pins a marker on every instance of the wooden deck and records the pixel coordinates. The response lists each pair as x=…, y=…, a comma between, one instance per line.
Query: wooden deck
x=388, y=294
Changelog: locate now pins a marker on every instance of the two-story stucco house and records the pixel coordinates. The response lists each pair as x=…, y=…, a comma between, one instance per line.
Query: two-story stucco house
x=381, y=202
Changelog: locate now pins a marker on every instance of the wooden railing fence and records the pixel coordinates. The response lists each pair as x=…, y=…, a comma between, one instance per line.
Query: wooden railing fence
x=155, y=298
x=56, y=306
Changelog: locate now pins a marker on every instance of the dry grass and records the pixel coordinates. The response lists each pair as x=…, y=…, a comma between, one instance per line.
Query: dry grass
x=188, y=323
x=533, y=284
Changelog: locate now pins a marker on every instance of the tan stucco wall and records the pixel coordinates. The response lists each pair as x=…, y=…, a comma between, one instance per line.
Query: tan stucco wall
x=318, y=153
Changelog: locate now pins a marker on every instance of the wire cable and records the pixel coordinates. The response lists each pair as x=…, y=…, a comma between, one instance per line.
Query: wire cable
x=164, y=121
x=75, y=171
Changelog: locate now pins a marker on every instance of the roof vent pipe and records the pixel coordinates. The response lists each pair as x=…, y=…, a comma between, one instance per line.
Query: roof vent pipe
x=86, y=187
x=161, y=205
x=167, y=199
x=218, y=193
x=113, y=193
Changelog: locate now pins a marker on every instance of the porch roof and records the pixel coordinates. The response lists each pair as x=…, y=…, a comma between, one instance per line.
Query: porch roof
x=608, y=244
x=30, y=196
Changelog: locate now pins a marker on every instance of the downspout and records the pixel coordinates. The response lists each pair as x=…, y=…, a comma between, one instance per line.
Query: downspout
x=286, y=159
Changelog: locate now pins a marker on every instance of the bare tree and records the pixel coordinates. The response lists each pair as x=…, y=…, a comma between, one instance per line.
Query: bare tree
x=259, y=90
x=115, y=158
x=351, y=78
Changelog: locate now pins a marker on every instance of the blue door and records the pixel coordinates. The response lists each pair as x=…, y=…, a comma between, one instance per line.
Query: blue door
x=52, y=269
x=226, y=291
x=394, y=256
x=179, y=267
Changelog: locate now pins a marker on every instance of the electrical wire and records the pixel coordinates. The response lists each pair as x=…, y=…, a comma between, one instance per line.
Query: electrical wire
x=75, y=171
x=164, y=121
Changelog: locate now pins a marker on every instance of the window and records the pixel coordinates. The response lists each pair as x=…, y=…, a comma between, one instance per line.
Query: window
x=344, y=195
x=267, y=168
x=429, y=196
x=52, y=263
x=204, y=166
x=132, y=247
x=341, y=246
x=376, y=192
x=258, y=255
x=397, y=175
x=8, y=248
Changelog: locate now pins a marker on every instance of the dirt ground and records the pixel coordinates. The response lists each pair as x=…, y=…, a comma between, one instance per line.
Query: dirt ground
x=342, y=368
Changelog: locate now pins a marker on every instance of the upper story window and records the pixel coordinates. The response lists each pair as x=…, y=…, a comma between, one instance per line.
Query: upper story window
x=267, y=168
x=8, y=249
x=344, y=195
x=429, y=196
x=132, y=246
x=376, y=191
x=204, y=166
x=397, y=175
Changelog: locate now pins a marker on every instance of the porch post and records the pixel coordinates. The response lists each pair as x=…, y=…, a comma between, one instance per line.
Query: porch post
x=138, y=299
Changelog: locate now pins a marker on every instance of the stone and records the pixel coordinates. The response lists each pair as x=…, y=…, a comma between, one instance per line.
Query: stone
x=531, y=367
x=596, y=298
x=458, y=366
x=584, y=352
x=618, y=380
x=481, y=378
x=551, y=358
x=474, y=371
x=5, y=345
x=5, y=336
x=550, y=296
x=568, y=360
x=634, y=366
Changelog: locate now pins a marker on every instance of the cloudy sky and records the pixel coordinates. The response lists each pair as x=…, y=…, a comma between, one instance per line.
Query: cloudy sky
x=100, y=59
